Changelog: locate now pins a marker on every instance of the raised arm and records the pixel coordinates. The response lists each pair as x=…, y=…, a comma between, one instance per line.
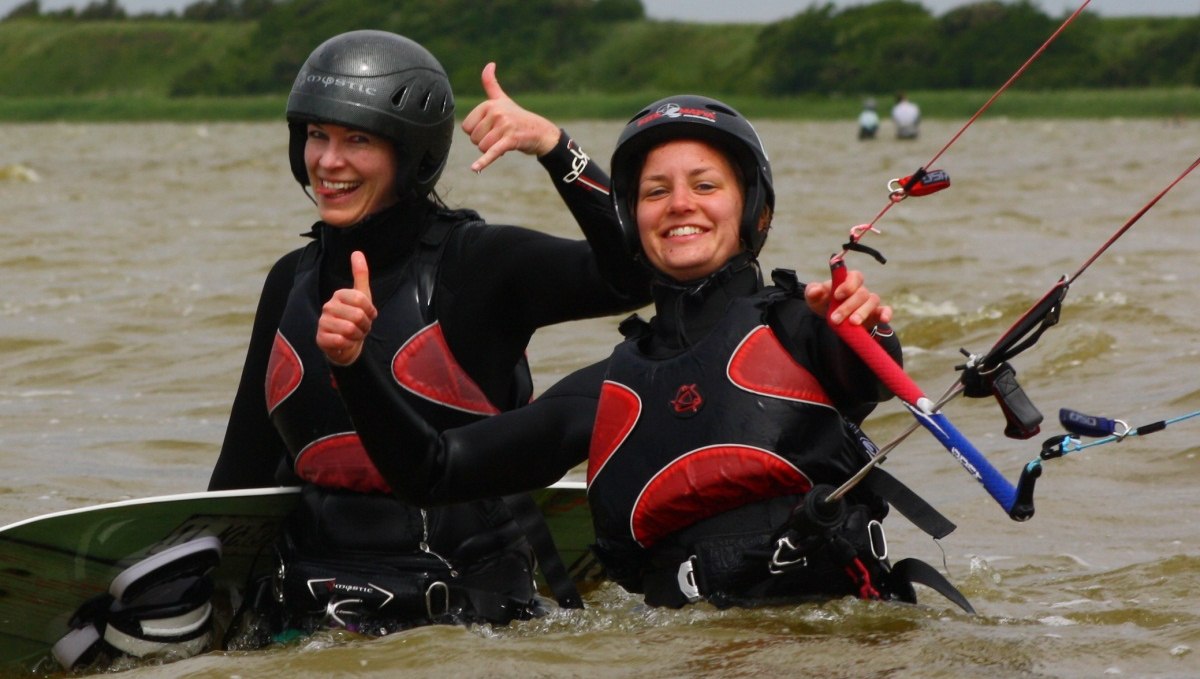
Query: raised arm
x=499, y=125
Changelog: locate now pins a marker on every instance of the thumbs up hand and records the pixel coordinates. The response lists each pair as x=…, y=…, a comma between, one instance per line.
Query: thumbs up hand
x=499, y=125
x=347, y=317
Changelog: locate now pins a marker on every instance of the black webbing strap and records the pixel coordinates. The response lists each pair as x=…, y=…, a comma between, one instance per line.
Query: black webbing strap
x=921, y=573
x=908, y=503
x=529, y=517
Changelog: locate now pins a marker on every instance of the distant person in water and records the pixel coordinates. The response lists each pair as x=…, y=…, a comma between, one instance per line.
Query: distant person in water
x=868, y=120
x=907, y=117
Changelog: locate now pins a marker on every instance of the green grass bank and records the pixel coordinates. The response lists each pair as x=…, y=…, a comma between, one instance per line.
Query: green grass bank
x=940, y=104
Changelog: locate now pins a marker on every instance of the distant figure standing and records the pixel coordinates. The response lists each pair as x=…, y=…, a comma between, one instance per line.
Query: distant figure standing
x=907, y=117
x=868, y=120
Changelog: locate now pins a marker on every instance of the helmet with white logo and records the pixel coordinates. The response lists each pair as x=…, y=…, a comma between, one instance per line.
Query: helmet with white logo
x=381, y=83
x=693, y=117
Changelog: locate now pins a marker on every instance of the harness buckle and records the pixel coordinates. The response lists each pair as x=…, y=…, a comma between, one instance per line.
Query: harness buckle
x=686, y=578
x=437, y=585
x=779, y=564
x=879, y=548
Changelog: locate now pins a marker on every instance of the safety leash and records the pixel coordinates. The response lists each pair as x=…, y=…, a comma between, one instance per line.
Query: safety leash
x=1086, y=425
x=1110, y=431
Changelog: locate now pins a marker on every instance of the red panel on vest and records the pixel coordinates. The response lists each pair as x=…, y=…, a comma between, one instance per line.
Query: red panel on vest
x=707, y=482
x=616, y=414
x=761, y=365
x=284, y=372
x=425, y=366
x=340, y=461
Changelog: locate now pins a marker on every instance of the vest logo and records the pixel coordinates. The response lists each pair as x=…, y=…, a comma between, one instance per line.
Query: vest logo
x=688, y=401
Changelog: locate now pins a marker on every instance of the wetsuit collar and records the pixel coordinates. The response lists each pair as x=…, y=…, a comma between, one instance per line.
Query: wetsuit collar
x=686, y=312
x=386, y=237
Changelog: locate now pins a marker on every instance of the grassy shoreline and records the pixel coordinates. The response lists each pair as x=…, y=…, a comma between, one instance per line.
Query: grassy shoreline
x=957, y=104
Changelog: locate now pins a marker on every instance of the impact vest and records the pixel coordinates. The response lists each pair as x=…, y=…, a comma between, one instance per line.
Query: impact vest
x=309, y=414
x=731, y=421
x=708, y=470
x=346, y=506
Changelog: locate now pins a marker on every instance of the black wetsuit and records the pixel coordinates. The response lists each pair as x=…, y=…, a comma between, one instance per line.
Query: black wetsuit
x=535, y=445
x=489, y=289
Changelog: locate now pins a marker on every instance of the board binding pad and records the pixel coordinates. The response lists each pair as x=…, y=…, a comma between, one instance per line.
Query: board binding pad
x=55, y=563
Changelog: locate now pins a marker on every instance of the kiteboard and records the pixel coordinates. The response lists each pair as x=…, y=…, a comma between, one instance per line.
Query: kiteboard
x=53, y=564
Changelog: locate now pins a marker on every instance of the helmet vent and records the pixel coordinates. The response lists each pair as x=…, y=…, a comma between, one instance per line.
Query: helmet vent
x=723, y=109
x=425, y=101
x=399, y=96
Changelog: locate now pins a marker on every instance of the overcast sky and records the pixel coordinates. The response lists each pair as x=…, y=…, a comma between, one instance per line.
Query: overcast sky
x=771, y=10
x=744, y=10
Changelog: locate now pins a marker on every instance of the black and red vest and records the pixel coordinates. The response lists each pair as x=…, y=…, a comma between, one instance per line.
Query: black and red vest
x=733, y=420
x=309, y=414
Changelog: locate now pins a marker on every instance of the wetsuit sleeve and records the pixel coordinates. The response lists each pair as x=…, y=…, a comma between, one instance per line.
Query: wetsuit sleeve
x=516, y=451
x=253, y=450
x=851, y=384
x=585, y=189
x=498, y=285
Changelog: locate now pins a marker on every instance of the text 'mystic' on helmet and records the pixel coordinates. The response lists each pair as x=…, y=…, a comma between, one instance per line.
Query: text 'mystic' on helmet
x=382, y=83
x=690, y=116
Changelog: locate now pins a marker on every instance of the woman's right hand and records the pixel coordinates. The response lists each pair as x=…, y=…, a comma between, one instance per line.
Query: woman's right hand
x=347, y=317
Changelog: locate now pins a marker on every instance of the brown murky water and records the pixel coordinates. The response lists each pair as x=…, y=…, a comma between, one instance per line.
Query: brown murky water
x=133, y=256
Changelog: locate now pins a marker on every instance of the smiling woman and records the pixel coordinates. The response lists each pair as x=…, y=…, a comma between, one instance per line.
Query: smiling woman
x=371, y=118
x=689, y=204
x=353, y=173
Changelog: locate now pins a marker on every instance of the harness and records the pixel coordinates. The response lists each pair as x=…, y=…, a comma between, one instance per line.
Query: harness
x=401, y=592
x=820, y=550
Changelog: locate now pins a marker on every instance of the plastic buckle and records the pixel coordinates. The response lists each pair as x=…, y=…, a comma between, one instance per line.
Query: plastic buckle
x=445, y=589
x=686, y=577
x=878, y=539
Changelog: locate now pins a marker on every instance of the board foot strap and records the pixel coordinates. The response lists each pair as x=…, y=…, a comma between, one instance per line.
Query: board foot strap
x=161, y=603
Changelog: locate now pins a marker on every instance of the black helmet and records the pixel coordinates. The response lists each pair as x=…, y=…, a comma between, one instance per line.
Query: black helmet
x=688, y=116
x=381, y=83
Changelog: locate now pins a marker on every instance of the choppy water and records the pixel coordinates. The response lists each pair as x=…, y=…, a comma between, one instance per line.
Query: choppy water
x=133, y=256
